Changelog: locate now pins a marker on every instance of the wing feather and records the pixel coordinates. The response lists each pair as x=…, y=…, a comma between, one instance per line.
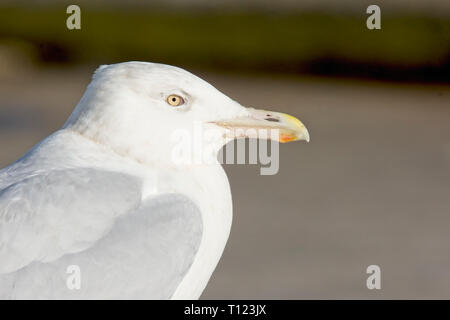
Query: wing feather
x=94, y=219
x=51, y=214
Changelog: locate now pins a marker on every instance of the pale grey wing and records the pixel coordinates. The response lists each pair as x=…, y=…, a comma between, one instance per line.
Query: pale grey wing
x=147, y=254
x=144, y=256
x=50, y=214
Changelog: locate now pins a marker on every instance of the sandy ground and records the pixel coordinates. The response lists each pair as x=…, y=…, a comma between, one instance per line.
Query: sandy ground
x=372, y=187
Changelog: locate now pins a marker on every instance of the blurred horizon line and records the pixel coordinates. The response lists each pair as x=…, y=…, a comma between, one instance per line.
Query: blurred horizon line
x=408, y=48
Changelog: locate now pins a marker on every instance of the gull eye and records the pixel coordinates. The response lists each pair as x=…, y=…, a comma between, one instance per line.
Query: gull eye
x=175, y=100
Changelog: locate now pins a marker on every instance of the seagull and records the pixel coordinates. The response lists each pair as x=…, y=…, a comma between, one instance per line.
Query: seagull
x=102, y=204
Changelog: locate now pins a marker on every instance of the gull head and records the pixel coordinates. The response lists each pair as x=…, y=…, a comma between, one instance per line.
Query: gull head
x=139, y=108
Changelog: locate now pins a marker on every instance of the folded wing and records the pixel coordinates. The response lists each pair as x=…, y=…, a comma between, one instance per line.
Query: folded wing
x=94, y=219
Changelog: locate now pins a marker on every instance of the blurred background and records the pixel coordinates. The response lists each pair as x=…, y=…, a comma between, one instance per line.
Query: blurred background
x=372, y=186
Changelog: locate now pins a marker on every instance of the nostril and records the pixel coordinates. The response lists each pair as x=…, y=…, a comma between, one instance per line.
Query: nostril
x=273, y=119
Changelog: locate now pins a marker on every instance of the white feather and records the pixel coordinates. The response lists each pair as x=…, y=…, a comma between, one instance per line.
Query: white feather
x=102, y=193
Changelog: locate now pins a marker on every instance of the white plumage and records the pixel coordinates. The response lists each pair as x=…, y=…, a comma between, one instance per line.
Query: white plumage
x=103, y=192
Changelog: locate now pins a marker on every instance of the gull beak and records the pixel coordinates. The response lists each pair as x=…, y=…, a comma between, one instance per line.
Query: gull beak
x=289, y=127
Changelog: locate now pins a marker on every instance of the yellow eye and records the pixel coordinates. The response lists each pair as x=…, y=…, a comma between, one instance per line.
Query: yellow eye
x=175, y=100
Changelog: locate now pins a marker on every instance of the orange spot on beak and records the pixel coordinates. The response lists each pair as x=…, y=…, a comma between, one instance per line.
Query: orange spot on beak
x=287, y=138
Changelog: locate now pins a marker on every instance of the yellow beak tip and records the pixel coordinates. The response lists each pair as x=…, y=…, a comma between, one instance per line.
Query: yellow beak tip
x=298, y=130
